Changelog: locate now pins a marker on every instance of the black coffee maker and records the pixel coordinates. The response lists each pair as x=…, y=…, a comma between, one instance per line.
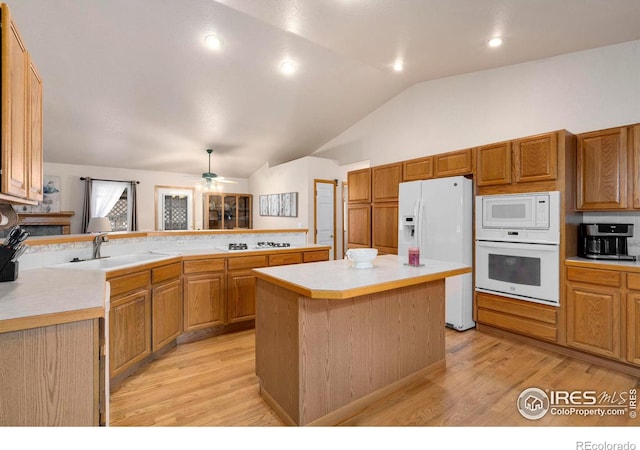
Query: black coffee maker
x=605, y=241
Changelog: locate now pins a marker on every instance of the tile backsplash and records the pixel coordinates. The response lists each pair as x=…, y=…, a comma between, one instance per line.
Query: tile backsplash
x=38, y=256
x=632, y=217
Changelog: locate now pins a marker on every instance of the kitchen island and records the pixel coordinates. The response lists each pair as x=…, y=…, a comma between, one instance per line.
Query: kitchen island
x=332, y=339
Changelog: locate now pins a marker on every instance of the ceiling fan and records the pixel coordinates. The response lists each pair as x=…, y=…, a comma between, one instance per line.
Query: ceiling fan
x=209, y=178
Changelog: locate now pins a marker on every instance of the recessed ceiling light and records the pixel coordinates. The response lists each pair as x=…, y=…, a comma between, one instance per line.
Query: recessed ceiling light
x=287, y=67
x=213, y=42
x=398, y=66
x=495, y=42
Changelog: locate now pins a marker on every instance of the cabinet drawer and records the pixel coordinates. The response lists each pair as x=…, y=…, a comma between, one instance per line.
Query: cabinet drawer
x=633, y=281
x=247, y=262
x=529, y=310
x=285, y=258
x=518, y=325
x=317, y=255
x=594, y=276
x=203, y=265
x=128, y=283
x=166, y=272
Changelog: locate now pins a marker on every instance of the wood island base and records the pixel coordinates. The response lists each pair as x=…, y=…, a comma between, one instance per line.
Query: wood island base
x=321, y=361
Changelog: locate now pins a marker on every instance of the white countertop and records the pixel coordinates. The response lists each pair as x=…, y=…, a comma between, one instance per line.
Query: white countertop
x=338, y=279
x=41, y=292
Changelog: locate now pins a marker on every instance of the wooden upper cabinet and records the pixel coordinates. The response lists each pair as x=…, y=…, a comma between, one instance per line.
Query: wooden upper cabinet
x=529, y=159
x=14, y=147
x=384, y=227
x=417, y=169
x=359, y=186
x=536, y=158
x=34, y=171
x=386, y=180
x=602, y=158
x=450, y=164
x=493, y=164
x=635, y=143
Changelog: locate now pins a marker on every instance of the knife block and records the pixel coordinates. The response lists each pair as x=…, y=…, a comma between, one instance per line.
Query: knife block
x=9, y=272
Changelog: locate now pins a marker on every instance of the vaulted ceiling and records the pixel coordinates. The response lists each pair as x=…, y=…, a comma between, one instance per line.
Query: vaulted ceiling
x=130, y=83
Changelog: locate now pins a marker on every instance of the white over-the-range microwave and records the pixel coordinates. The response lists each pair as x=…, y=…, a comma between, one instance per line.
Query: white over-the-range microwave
x=518, y=246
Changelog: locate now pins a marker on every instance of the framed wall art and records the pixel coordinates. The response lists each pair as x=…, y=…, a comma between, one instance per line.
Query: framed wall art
x=279, y=205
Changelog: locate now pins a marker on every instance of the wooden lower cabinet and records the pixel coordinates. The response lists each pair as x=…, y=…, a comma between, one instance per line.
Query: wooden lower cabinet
x=594, y=319
x=130, y=330
x=204, y=293
x=384, y=227
x=241, y=293
x=51, y=375
x=518, y=316
x=633, y=327
x=166, y=317
x=359, y=228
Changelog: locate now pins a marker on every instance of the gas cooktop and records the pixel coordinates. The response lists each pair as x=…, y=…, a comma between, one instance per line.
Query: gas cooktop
x=236, y=246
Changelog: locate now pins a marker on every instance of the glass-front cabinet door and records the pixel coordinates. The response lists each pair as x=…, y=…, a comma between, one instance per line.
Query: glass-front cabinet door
x=227, y=211
x=230, y=212
x=244, y=211
x=213, y=218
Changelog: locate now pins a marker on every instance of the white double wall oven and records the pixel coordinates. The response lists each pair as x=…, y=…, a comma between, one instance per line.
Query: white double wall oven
x=518, y=246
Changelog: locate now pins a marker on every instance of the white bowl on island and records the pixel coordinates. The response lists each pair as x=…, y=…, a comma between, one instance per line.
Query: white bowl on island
x=362, y=258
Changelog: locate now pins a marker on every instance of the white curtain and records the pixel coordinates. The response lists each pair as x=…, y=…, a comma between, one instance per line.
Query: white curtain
x=105, y=194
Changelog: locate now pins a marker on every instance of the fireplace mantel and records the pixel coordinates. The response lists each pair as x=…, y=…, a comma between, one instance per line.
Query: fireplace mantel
x=34, y=221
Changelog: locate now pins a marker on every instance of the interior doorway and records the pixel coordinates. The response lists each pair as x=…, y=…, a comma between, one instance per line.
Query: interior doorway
x=324, y=218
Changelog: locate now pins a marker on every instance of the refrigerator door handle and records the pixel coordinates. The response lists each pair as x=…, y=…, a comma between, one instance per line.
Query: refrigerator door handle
x=418, y=213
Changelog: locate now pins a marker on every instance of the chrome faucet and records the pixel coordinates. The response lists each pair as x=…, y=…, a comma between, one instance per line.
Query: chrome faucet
x=97, y=243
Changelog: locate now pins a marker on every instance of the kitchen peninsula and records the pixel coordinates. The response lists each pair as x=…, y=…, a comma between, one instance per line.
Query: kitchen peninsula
x=331, y=339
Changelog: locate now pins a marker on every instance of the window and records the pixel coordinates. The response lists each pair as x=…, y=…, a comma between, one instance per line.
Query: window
x=113, y=199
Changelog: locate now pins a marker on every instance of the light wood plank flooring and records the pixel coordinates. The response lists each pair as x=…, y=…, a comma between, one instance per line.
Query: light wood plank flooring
x=213, y=383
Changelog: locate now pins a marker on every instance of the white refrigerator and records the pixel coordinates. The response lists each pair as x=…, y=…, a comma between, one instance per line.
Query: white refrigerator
x=436, y=216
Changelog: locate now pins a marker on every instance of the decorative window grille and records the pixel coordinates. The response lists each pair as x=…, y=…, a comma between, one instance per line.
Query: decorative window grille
x=119, y=214
x=175, y=212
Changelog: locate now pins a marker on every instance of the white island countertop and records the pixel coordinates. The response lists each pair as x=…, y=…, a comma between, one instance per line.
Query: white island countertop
x=41, y=297
x=339, y=280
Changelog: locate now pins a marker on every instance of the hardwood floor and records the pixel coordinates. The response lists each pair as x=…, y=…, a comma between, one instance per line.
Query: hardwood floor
x=212, y=383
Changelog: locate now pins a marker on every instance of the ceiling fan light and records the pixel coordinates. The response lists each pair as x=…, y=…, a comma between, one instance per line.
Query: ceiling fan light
x=213, y=42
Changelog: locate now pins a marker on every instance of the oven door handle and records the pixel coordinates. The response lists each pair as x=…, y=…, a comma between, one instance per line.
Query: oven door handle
x=517, y=245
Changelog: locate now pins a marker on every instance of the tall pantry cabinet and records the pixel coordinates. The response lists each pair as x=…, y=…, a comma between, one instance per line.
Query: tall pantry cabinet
x=21, y=123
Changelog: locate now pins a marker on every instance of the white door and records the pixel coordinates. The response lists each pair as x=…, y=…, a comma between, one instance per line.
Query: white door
x=325, y=217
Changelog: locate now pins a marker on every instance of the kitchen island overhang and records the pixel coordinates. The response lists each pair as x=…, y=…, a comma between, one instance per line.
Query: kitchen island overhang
x=332, y=339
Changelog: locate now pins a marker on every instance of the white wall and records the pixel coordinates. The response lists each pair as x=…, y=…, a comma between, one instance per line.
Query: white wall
x=296, y=176
x=579, y=92
x=72, y=189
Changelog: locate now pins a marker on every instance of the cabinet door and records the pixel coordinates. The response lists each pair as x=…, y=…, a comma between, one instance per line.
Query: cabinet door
x=417, y=169
x=536, y=158
x=14, y=146
x=359, y=226
x=166, y=318
x=241, y=296
x=129, y=331
x=454, y=163
x=636, y=165
x=493, y=164
x=633, y=327
x=385, y=182
x=244, y=211
x=230, y=212
x=385, y=227
x=213, y=219
x=203, y=301
x=359, y=184
x=602, y=170
x=593, y=319
x=35, y=135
